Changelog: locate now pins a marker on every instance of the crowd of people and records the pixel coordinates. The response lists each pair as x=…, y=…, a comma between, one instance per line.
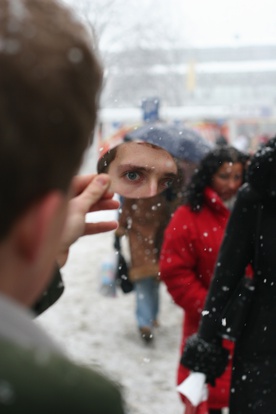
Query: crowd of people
x=200, y=244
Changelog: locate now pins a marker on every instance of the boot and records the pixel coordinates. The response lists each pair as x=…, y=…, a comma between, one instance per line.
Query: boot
x=146, y=334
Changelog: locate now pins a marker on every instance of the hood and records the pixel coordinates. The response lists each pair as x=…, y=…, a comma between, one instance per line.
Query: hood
x=262, y=170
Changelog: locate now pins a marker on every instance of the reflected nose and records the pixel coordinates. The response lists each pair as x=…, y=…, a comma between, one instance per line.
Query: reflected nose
x=153, y=188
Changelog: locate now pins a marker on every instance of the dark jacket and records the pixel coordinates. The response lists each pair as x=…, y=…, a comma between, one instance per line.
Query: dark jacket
x=254, y=366
x=43, y=382
x=37, y=377
x=51, y=294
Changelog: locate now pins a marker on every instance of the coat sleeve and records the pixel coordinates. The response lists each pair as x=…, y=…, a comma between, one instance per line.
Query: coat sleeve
x=235, y=254
x=123, y=222
x=178, y=264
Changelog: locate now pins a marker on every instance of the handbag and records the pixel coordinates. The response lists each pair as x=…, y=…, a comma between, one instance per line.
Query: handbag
x=234, y=316
x=108, y=275
x=122, y=271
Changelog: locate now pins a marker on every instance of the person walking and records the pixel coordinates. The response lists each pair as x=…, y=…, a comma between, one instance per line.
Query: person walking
x=250, y=238
x=143, y=221
x=191, y=243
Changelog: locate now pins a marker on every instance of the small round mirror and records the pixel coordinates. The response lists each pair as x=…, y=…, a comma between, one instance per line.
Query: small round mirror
x=150, y=159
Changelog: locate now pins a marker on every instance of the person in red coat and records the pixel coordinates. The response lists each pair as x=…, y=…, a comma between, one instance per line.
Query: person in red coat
x=191, y=244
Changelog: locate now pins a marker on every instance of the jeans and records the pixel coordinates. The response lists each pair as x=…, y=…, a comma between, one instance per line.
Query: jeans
x=147, y=301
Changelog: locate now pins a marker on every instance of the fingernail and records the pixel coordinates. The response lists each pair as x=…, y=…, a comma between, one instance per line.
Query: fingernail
x=102, y=180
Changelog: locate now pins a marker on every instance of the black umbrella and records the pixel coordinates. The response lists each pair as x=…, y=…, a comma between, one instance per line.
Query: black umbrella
x=181, y=142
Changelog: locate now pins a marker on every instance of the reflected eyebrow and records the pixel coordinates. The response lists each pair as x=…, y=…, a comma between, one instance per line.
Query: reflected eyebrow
x=139, y=168
x=170, y=175
x=124, y=167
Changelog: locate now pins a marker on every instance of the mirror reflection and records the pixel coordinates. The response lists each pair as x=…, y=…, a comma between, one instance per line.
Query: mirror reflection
x=139, y=169
x=151, y=158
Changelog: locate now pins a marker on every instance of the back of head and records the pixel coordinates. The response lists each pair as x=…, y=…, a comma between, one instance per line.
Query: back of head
x=262, y=170
x=49, y=87
x=209, y=165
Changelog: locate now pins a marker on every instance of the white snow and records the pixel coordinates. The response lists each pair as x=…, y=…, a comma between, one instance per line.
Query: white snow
x=101, y=332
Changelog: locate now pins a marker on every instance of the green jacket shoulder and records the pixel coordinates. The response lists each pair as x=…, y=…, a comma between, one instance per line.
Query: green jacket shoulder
x=34, y=381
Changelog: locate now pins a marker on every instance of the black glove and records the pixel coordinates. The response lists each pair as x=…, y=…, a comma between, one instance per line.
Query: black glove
x=209, y=358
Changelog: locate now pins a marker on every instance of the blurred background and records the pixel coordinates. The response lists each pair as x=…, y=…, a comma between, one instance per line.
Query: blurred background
x=210, y=65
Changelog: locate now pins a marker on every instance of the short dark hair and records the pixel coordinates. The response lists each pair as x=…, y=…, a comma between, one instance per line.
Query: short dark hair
x=49, y=88
x=204, y=173
x=106, y=159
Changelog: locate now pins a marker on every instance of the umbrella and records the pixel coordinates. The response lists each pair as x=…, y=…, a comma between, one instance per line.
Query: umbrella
x=181, y=142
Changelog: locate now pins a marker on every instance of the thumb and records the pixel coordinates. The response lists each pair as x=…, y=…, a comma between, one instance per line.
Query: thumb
x=94, y=191
x=102, y=180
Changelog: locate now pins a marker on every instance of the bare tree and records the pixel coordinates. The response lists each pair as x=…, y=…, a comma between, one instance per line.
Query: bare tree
x=136, y=41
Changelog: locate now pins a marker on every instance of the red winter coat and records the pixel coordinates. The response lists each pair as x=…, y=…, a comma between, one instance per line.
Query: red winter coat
x=188, y=256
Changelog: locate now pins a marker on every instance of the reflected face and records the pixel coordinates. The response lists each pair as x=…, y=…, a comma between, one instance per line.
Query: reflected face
x=141, y=170
x=227, y=180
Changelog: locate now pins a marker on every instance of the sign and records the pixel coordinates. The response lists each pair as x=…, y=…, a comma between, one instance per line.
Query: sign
x=150, y=108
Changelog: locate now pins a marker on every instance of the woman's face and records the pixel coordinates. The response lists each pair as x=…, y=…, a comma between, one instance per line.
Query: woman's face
x=141, y=170
x=227, y=180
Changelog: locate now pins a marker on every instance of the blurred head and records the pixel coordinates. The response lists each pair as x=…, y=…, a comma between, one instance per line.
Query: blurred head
x=262, y=169
x=228, y=179
x=223, y=170
x=139, y=169
x=49, y=86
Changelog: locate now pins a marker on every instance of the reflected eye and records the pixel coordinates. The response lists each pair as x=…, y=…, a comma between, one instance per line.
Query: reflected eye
x=168, y=183
x=132, y=175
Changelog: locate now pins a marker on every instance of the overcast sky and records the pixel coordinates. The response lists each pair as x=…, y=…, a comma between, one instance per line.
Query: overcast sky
x=228, y=21
x=202, y=22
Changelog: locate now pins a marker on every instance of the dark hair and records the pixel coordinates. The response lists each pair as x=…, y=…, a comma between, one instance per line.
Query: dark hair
x=49, y=88
x=209, y=165
x=105, y=160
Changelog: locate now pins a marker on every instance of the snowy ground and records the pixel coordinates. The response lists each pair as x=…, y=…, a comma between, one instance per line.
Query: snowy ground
x=101, y=331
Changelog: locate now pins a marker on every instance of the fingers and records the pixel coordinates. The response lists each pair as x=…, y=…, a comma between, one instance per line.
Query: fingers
x=101, y=227
x=80, y=182
x=105, y=205
x=95, y=191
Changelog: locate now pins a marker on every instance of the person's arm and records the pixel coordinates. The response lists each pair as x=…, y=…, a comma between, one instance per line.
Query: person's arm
x=235, y=254
x=178, y=264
